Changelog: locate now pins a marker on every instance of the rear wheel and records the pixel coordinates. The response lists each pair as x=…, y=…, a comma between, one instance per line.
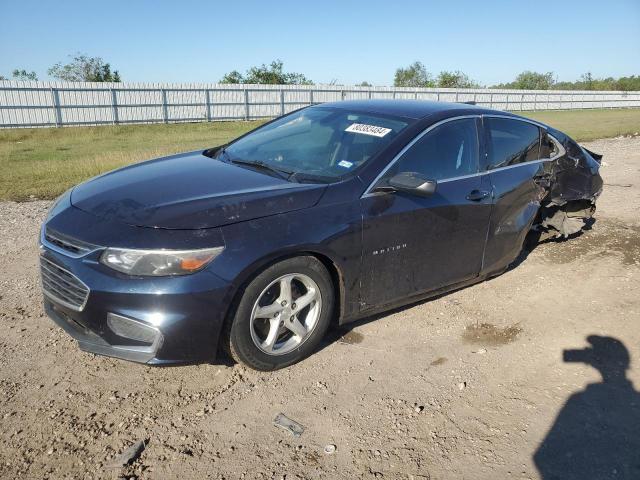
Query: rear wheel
x=282, y=315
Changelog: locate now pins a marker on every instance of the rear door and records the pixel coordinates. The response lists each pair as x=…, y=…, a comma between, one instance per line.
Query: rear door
x=520, y=179
x=413, y=244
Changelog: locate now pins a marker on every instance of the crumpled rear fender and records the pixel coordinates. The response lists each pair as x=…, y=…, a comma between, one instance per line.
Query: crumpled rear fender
x=571, y=201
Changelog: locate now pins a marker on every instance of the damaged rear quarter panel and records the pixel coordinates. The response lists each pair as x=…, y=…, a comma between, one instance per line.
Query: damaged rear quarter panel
x=576, y=174
x=570, y=203
x=517, y=197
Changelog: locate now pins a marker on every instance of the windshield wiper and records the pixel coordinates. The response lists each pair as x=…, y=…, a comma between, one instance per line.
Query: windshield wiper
x=284, y=174
x=309, y=177
x=216, y=152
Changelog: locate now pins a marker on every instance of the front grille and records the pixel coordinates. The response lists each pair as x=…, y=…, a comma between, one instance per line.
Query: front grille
x=62, y=286
x=75, y=247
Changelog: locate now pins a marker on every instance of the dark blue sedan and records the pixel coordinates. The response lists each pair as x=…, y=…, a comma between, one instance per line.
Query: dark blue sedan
x=326, y=215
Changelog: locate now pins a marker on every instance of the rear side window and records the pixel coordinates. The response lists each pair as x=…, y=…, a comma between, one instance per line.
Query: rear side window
x=511, y=142
x=548, y=147
x=450, y=150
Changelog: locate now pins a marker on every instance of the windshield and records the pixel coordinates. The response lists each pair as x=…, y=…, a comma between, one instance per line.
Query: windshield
x=318, y=142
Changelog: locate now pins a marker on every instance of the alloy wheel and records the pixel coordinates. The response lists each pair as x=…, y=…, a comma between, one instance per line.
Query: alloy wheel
x=285, y=314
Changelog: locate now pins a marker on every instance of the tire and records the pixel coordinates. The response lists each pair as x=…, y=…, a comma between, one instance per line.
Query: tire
x=250, y=339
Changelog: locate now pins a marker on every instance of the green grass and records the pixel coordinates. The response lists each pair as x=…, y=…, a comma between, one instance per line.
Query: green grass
x=585, y=125
x=44, y=162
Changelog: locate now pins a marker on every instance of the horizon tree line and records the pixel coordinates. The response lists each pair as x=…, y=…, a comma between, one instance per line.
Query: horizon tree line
x=83, y=68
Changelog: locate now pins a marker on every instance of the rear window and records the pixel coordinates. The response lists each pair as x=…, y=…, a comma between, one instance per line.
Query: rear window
x=511, y=142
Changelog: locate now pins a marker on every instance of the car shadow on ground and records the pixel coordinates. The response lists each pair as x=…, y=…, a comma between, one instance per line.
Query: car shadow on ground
x=344, y=333
x=597, y=432
x=533, y=240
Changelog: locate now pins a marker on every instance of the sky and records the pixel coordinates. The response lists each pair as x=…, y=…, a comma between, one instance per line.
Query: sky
x=343, y=41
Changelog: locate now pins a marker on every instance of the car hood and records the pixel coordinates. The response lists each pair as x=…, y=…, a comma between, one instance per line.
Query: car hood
x=190, y=191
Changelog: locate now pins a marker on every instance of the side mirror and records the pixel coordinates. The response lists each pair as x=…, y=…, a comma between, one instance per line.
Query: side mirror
x=413, y=183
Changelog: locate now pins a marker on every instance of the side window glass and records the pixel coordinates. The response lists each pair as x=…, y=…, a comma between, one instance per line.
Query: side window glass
x=511, y=142
x=450, y=150
x=548, y=147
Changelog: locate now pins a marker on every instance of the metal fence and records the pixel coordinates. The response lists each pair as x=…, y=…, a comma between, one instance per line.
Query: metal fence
x=48, y=104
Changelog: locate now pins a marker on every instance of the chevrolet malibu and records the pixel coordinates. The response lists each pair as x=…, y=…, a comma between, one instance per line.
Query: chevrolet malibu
x=328, y=214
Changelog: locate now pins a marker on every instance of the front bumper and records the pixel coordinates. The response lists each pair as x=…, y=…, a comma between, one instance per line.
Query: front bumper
x=180, y=316
x=186, y=312
x=93, y=343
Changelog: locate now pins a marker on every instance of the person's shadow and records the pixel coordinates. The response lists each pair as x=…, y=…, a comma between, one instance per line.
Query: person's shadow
x=597, y=433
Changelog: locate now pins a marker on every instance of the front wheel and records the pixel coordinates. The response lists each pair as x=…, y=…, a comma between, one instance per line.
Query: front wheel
x=282, y=315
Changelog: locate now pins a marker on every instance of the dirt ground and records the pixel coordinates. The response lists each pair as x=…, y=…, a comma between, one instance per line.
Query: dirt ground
x=469, y=385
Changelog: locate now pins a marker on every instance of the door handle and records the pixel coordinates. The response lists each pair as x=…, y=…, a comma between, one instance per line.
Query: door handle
x=477, y=195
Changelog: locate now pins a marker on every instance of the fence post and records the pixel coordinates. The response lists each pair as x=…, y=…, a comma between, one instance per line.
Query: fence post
x=416, y=94
x=342, y=94
x=114, y=106
x=507, y=104
x=165, y=108
x=246, y=104
x=456, y=96
x=522, y=102
x=281, y=102
x=491, y=100
x=207, y=100
x=310, y=97
x=56, y=105
x=437, y=96
x=370, y=94
x=535, y=102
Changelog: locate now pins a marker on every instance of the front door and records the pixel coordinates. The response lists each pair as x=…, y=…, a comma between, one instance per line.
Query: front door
x=413, y=244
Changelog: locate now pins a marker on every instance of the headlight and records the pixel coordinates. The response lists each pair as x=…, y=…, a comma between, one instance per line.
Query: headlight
x=158, y=263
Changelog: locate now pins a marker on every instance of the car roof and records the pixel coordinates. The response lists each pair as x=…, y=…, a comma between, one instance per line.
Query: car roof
x=415, y=109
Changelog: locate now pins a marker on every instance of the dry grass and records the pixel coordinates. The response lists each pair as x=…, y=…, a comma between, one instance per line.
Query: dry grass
x=586, y=125
x=42, y=163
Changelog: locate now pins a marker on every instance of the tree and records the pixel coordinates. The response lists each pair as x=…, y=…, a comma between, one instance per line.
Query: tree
x=529, y=80
x=631, y=83
x=232, y=77
x=364, y=84
x=2, y=77
x=24, y=75
x=84, y=69
x=272, y=74
x=455, y=79
x=415, y=75
x=587, y=80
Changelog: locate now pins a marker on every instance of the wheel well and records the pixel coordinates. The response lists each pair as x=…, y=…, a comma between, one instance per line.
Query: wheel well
x=338, y=284
x=564, y=220
x=336, y=280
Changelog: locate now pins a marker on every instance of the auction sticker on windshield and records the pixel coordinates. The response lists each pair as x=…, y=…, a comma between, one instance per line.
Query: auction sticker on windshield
x=367, y=129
